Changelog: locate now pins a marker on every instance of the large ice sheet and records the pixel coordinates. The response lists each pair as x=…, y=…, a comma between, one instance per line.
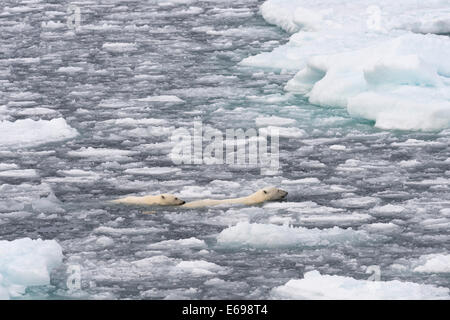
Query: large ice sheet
x=374, y=58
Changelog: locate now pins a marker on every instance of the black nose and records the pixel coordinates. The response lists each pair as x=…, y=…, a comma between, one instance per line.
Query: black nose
x=183, y=202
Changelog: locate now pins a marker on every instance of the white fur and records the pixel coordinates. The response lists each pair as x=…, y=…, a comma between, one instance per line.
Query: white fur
x=161, y=200
x=266, y=194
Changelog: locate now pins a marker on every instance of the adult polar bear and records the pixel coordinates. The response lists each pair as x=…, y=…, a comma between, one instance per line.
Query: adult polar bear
x=260, y=196
x=160, y=200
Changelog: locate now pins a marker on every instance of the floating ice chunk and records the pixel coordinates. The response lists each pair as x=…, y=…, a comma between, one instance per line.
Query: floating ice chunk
x=192, y=242
x=101, y=153
x=317, y=286
x=24, y=173
x=356, y=202
x=16, y=215
x=90, y=243
x=199, y=268
x=126, y=231
x=416, y=143
x=37, y=111
x=245, y=234
x=172, y=294
x=8, y=166
x=69, y=69
x=273, y=120
x=53, y=25
x=25, y=262
x=437, y=224
x=195, y=192
x=24, y=96
x=156, y=268
x=384, y=228
x=113, y=103
x=302, y=208
x=163, y=98
x=313, y=164
x=335, y=218
x=27, y=132
x=302, y=181
x=119, y=47
x=134, y=122
x=284, y=132
x=388, y=210
x=430, y=182
x=425, y=110
x=337, y=147
x=409, y=163
x=218, y=283
x=75, y=176
x=77, y=173
x=152, y=171
x=434, y=263
x=25, y=197
x=104, y=242
x=49, y=204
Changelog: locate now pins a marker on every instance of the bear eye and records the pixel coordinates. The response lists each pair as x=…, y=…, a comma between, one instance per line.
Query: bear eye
x=163, y=197
x=176, y=198
x=265, y=191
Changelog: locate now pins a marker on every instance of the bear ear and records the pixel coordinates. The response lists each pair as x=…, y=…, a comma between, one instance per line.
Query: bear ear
x=163, y=197
x=265, y=191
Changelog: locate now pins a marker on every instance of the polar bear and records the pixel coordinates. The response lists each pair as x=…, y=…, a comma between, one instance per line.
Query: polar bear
x=161, y=200
x=265, y=194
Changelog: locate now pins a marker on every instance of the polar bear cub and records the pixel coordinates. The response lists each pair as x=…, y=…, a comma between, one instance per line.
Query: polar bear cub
x=265, y=194
x=161, y=200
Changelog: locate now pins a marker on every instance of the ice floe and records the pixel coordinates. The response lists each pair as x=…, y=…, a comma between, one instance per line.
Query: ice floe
x=26, y=262
x=245, y=234
x=331, y=287
x=28, y=132
x=373, y=64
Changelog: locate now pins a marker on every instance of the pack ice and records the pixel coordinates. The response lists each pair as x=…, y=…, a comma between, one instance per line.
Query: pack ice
x=384, y=61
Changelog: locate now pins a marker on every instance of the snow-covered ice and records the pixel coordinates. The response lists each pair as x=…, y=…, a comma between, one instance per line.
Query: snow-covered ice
x=434, y=263
x=382, y=64
x=28, y=132
x=273, y=236
x=331, y=287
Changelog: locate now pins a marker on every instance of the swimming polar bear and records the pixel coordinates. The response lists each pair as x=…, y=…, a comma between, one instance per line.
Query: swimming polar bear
x=161, y=200
x=266, y=194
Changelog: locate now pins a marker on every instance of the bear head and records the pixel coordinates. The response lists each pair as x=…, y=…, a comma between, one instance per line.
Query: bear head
x=269, y=194
x=170, y=200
